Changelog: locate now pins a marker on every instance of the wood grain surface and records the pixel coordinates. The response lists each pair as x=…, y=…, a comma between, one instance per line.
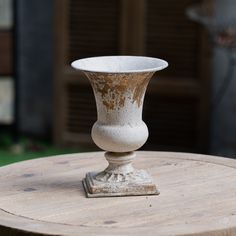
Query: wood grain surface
x=45, y=197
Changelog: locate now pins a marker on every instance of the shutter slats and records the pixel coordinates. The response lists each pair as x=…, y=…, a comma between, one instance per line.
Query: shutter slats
x=81, y=109
x=173, y=121
x=93, y=28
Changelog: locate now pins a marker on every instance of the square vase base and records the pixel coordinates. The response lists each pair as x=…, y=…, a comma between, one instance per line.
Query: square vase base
x=133, y=187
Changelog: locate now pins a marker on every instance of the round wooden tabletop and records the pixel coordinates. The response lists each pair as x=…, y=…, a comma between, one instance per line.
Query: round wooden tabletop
x=46, y=197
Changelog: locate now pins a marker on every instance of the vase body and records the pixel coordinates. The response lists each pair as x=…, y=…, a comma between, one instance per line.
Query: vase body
x=119, y=84
x=119, y=99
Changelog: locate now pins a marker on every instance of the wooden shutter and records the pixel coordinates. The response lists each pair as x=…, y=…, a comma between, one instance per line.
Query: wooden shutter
x=176, y=103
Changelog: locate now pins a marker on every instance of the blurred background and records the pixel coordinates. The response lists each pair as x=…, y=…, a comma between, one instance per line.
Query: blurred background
x=47, y=108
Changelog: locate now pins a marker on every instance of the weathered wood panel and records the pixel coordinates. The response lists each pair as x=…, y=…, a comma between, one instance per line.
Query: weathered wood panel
x=46, y=196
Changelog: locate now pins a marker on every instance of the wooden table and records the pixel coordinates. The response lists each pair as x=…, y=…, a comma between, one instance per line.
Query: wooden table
x=46, y=197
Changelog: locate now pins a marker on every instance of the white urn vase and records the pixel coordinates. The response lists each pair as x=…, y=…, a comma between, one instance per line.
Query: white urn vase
x=119, y=84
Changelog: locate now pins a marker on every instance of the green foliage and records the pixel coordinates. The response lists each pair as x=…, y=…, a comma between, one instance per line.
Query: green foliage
x=27, y=149
x=5, y=140
x=7, y=157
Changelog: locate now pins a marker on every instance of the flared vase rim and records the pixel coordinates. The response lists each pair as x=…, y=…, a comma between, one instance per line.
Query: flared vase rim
x=153, y=64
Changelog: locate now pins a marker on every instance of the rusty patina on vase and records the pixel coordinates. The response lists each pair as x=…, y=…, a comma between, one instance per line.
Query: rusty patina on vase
x=113, y=88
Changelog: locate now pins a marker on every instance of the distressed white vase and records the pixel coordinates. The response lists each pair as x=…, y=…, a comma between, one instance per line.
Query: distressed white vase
x=119, y=84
